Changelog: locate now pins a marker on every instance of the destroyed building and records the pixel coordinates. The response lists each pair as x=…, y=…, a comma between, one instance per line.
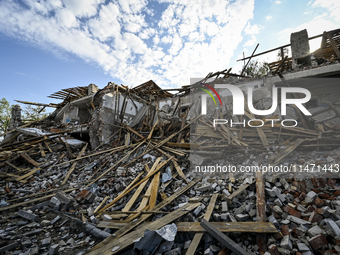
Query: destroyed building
x=111, y=170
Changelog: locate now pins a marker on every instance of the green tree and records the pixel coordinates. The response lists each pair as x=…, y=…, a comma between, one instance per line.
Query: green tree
x=5, y=114
x=31, y=113
x=285, y=53
x=256, y=69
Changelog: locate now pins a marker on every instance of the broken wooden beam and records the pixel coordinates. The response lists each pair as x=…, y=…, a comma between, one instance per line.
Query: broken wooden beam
x=225, y=227
x=222, y=238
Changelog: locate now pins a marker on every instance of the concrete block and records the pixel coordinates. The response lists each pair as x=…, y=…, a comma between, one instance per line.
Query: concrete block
x=226, y=192
x=54, y=249
x=27, y=215
x=55, y=220
x=45, y=223
x=63, y=198
x=217, y=217
x=187, y=244
x=204, y=188
x=286, y=243
x=314, y=231
x=224, y=216
x=208, y=252
x=106, y=217
x=333, y=226
x=302, y=247
x=310, y=197
x=298, y=220
x=272, y=219
x=33, y=232
x=46, y=242
x=278, y=209
x=242, y=217
x=54, y=202
x=240, y=210
x=224, y=206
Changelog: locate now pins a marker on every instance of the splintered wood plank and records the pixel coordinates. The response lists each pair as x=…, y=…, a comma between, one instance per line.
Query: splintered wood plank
x=179, y=170
x=229, y=227
x=131, y=201
x=101, y=204
x=33, y=200
x=126, y=189
x=198, y=236
x=29, y=159
x=104, y=244
x=151, y=173
x=225, y=227
x=74, y=165
x=11, y=165
x=27, y=175
x=111, y=168
x=121, y=243
x=239, y=191
x=154, y=191
x=260, y=210
x=42, y=152
x=142, y=204
x=223, y=239
x=134, y=197
x=284, y=153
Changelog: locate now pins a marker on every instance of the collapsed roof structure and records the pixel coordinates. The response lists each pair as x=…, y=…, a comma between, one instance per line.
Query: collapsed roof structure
x=123, y=193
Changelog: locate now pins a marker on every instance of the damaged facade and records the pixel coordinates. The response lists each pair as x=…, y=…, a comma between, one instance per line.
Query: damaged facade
x=108, y=171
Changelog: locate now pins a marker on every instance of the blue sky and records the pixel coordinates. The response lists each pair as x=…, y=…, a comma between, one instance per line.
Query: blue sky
x=49, y=45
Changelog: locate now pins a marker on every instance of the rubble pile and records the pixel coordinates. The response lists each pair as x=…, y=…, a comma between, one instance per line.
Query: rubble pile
x=114, y=171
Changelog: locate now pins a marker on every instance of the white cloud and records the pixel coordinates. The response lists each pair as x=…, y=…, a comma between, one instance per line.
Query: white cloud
x=66, y=18
x=106, y=25
x=189, y=40
x=82, y=8
x=278, y=2
x=333, y=7
x=252, y=29
x=250, y=42
x=268, y=17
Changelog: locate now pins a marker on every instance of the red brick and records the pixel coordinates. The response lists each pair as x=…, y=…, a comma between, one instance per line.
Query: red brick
x=322, y=212
x=316, y=191
x=303, y=186
x=315, y=183
x=298, y=232
x=318, y=241
x=285, y=230
x=318, y=202
x=274, y=250
x=336, y=193
x=292, y=211
x=310, y=208
x=315, y=217
x=331, y=182
x=324, y=195
x=302, y=196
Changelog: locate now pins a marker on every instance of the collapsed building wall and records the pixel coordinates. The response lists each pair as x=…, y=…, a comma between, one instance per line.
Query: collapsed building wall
x=112, y=108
